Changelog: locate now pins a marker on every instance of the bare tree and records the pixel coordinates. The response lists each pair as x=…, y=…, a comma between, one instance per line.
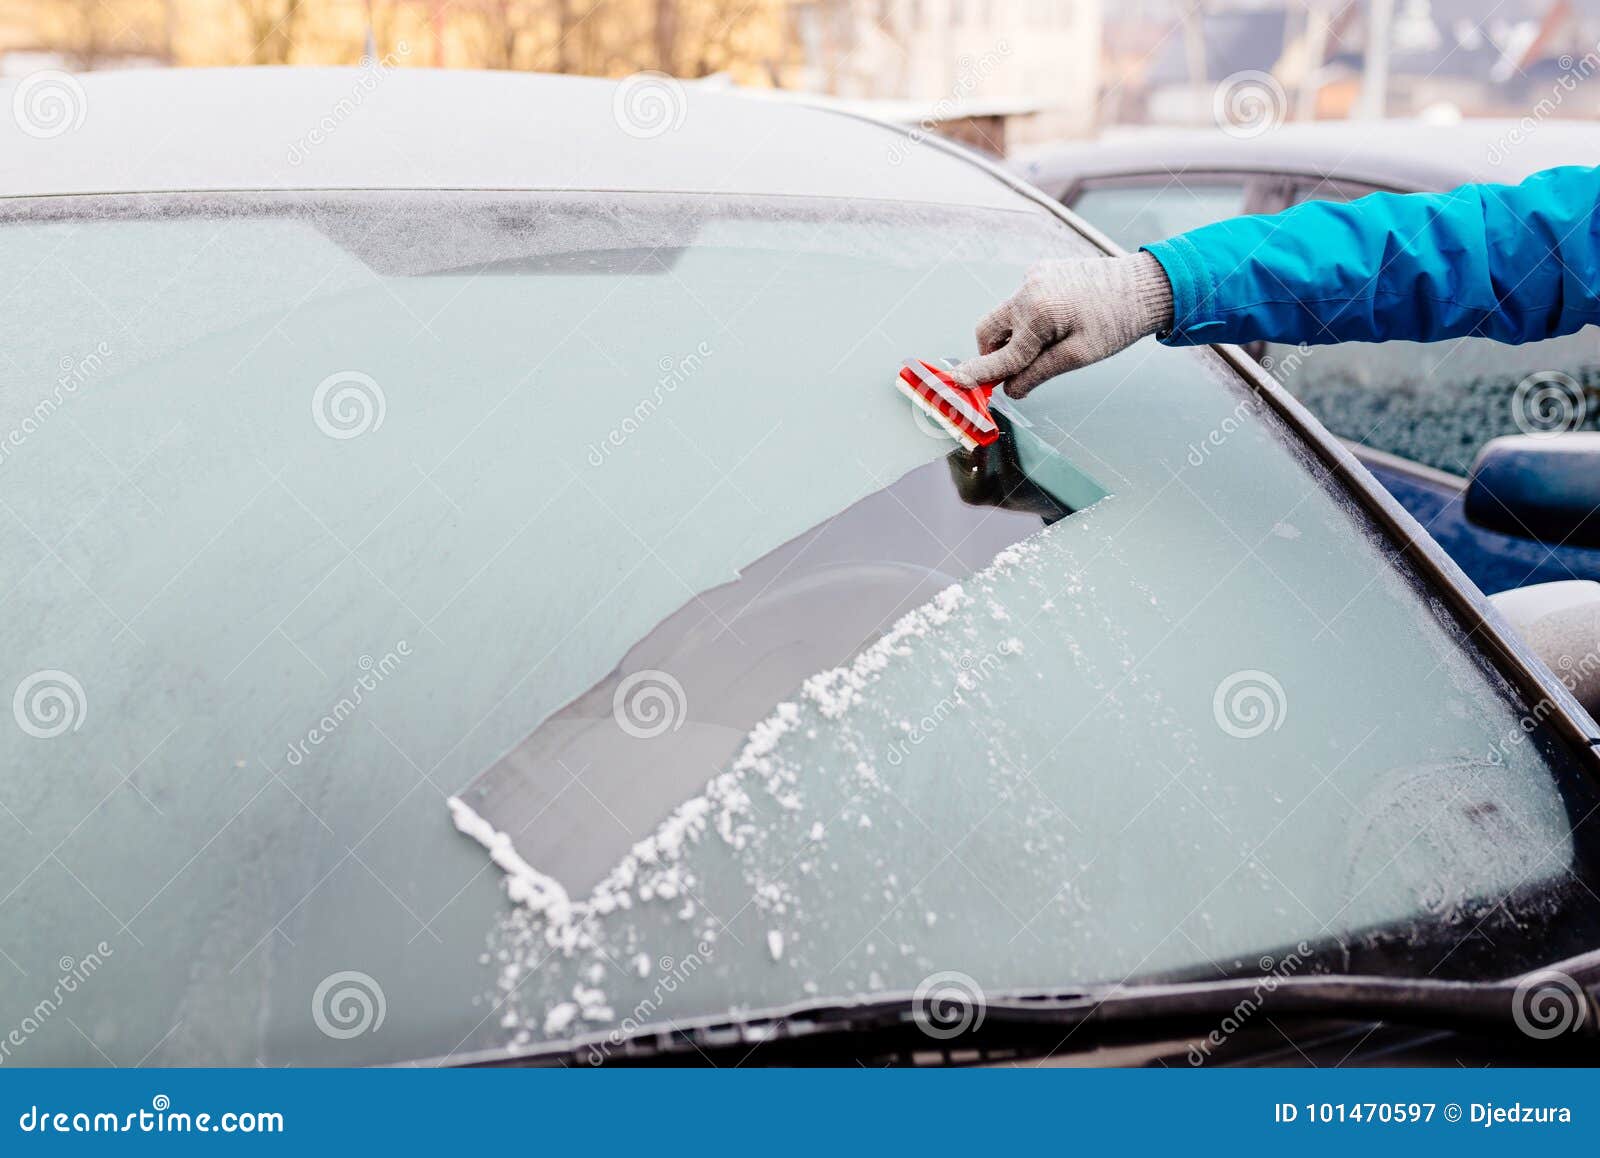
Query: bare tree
x=500, y=33
x=665, y=31
x=89, y=32
x=611, y=37
x=270, y=25
x=567, y=21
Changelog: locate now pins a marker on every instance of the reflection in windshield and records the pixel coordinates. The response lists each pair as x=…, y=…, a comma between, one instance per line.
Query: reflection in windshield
x=602, y=771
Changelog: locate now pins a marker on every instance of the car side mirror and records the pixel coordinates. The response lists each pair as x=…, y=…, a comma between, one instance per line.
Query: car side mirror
x=1560, y=623
x=1538, y=486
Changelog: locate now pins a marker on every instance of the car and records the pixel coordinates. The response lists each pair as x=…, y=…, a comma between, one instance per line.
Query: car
x=1418, y=415
x=474, y=595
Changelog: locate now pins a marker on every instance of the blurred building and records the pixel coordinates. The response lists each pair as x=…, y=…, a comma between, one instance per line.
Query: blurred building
x=994, y=73
x=1165, y=60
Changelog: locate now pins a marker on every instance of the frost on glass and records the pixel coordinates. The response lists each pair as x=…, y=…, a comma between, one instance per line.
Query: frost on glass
x=1153, y=739
x=1138, y=214
x=593, y=411
x=220, y=573
x=1438, y=403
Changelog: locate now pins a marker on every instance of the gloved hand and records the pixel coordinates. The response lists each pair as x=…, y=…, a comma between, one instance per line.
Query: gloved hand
x=1066, y=315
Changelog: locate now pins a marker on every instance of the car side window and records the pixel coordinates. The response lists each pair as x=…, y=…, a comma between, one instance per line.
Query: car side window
x=1137, y=210
x=1438, y=403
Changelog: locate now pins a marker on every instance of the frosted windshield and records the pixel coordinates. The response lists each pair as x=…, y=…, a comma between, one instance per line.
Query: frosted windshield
x=318, y=508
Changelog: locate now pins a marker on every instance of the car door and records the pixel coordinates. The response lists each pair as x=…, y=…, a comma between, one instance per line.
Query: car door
x=1417, y=415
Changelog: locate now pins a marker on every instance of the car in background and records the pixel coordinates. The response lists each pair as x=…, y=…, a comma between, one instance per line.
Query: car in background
x=1418, y=415
x=474, y=594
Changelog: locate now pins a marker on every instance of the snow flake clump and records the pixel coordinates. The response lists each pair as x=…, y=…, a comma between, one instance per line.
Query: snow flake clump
x=655, y=870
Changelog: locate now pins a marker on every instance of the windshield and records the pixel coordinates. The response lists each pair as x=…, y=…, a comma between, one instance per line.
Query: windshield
x=349, y=532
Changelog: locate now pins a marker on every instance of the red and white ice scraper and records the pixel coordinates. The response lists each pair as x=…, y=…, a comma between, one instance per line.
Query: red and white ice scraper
x=963, y=411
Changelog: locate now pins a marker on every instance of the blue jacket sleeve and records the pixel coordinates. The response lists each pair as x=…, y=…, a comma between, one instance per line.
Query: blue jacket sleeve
x=1510, y=262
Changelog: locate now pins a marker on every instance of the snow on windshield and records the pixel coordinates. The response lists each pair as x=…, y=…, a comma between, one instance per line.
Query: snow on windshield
x=497, y=437
x=1005, y=789
x=764, y=817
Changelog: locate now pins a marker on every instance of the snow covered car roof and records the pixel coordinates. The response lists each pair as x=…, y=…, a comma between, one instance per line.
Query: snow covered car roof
x=164, y=130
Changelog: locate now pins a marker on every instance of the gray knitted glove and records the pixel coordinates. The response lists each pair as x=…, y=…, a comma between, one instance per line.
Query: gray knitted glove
x=1066, y=315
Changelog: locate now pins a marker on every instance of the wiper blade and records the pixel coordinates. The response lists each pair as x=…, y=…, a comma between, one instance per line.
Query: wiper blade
x=1031, y=1023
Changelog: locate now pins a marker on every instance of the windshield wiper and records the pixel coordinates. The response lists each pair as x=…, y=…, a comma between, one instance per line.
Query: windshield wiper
x=1037, y=1023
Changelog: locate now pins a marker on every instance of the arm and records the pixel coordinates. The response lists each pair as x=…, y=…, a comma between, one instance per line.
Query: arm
x=1515, y=263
